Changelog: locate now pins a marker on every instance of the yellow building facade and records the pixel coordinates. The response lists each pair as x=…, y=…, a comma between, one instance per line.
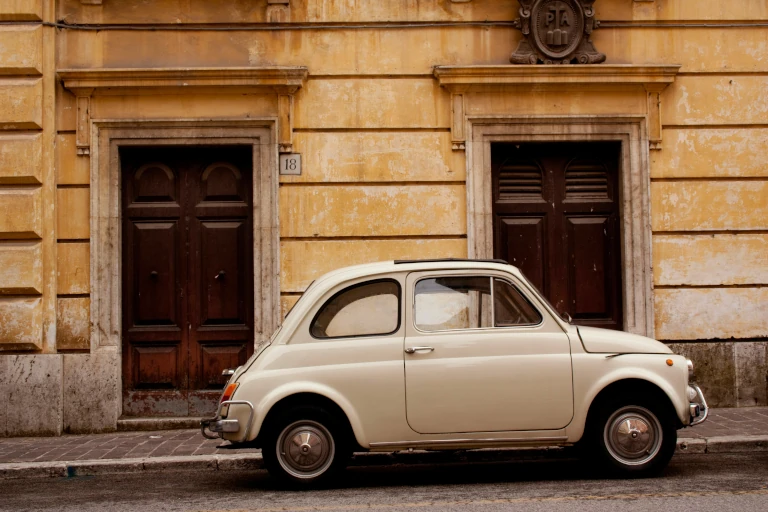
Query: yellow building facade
x=398, y=110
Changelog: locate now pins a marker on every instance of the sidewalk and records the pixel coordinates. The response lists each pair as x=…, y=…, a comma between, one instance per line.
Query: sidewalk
x=726, y=430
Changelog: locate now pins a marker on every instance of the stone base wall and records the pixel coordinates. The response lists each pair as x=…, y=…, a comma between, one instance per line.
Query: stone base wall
x=80, y=393
x=730, y=373
x=47, y=394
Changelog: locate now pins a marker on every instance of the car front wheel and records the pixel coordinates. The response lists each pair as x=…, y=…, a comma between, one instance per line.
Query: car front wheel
x=635, y=440
x=305, y=447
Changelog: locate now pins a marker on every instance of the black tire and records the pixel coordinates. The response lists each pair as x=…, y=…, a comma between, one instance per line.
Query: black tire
x=631, y=438
x=305, y=446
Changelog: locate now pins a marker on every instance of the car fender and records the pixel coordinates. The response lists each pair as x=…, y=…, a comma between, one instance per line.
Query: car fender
x=288, y=389
x=583, y=398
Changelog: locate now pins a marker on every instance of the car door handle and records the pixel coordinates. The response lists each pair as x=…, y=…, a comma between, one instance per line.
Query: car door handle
x=413, y=350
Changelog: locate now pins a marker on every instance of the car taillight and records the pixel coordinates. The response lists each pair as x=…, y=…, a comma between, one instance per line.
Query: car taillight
x=229, y=391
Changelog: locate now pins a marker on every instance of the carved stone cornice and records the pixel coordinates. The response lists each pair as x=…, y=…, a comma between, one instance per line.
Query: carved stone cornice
x=460, y=80
x=125, y=81
x=465, y=78
x=87, y=83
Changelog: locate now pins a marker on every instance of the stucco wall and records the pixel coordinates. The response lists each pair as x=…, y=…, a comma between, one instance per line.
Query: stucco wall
x=380, y=178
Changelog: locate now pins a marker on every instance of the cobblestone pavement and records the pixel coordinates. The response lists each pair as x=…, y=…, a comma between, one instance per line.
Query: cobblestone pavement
x=164, y=443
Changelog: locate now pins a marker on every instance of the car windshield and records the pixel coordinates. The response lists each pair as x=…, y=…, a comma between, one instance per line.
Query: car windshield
x=564, y=316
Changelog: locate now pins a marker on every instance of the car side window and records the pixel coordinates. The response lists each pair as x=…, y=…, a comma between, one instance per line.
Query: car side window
x=365, y=309
x=466, y=302
x=454, y=302
x=510, y=307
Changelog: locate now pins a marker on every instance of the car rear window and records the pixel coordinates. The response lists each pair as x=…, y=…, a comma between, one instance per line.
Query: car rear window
x=364, y=309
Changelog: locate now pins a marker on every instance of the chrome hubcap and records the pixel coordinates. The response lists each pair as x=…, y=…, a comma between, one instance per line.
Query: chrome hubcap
x=633, y=435
x=305, y=449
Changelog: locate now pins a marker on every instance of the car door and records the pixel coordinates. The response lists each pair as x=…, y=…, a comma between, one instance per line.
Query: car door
x=481, y=355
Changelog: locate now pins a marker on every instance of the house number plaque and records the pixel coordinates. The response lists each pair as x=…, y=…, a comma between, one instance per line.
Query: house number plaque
x=290, y=164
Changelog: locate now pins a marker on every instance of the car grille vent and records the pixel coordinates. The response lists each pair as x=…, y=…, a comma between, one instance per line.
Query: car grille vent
x=518, y=181
x=586, y=180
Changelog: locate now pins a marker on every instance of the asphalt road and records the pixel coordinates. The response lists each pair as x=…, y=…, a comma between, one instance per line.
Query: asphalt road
x=692, y=482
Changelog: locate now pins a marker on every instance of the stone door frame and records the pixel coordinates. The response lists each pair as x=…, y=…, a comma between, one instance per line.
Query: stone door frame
x=107, y=136
x=634, y=191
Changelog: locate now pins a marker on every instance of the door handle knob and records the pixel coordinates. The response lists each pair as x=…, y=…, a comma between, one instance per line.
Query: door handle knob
x=220, y=275
x=413, y=350
x=153, y=274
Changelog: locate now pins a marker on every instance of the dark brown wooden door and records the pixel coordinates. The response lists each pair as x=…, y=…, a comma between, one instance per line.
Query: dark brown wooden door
x=187, y=281
x=556, y=217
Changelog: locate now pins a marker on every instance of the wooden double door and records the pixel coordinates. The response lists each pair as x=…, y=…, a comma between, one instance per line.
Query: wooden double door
x=556, y=217
x=187, y=275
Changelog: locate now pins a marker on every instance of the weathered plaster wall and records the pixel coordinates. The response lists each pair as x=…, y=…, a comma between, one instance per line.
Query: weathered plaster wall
x=21, y=179
x=27, y=183
x=373, y=129
x=709, y=195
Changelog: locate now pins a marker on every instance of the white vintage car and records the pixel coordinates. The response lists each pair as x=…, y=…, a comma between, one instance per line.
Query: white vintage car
x=450, y=354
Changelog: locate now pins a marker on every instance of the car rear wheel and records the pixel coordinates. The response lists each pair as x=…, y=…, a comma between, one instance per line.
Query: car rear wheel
x=635, y=439
x=305, y=446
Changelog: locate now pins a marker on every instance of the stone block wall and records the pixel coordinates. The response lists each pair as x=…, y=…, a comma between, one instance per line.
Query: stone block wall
x=22, y=180
x=381, y=180
x=44, y=231
x=30, y=369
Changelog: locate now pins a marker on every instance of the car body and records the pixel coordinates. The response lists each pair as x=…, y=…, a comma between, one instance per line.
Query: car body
x=450, y=354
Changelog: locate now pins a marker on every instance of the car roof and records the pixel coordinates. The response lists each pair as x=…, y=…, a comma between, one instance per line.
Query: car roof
x=393, y=266
x=381, y=269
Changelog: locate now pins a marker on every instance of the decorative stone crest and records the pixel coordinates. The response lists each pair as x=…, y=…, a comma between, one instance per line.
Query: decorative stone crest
x=556, y=32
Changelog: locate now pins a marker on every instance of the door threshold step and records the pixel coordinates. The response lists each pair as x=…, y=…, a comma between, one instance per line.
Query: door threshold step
x=145, y=424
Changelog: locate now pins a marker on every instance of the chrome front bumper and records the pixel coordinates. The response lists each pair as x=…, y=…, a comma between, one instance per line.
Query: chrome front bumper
x=219, y=425
x=698, y=406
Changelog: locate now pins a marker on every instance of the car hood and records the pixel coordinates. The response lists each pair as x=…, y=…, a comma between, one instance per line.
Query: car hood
x=610, y=341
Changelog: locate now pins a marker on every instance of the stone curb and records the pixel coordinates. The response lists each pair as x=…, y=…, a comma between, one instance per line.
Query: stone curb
x=253, y=461
x=735, y=444
x=723, y=444
x=138, y=465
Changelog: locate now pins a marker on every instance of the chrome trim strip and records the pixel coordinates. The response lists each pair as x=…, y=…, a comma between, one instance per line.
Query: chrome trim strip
x=250, y=415
x=204, y=424
x=224, y=426
x=470, y=442
x=700, y=395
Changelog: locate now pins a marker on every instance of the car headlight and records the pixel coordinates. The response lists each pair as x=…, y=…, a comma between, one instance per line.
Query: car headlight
x=690, y=369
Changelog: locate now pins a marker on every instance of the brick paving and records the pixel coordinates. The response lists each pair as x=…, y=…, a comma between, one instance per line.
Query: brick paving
x=164, y=443
x=118, y=445
x=746, y=421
